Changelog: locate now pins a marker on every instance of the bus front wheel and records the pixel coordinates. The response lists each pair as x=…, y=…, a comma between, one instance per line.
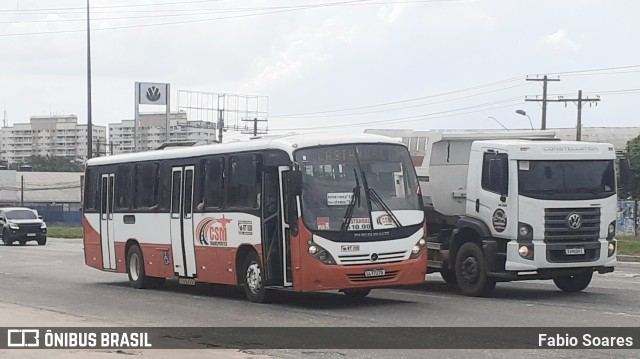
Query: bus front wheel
x=357, y=293
x=253, y=276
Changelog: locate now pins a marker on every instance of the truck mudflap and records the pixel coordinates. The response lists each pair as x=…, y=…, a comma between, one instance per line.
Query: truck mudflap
x=549, y=273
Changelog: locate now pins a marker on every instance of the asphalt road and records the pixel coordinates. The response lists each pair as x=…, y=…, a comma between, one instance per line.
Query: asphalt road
x=55, y=278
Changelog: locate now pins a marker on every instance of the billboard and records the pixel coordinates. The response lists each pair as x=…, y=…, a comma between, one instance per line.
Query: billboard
x=152, y=93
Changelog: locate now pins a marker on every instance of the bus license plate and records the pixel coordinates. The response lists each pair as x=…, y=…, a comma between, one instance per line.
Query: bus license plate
x=31, y=234
x=374, y=272
x=574, y=251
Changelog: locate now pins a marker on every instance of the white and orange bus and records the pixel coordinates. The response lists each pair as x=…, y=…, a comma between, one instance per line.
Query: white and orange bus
x=302, y=212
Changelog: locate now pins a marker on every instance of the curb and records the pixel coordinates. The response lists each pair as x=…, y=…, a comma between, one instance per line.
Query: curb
x=628, y=258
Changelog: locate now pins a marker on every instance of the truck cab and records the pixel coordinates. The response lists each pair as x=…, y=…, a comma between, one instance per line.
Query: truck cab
x=518, y=209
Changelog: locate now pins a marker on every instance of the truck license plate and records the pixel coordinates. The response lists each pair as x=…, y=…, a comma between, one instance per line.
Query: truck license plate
x=574, y=251
x=31, y=234
x=374, y=272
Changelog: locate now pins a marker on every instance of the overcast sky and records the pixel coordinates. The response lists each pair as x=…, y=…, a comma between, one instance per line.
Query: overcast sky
x=435, y=64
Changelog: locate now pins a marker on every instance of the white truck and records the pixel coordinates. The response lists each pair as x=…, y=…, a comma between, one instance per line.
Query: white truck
x=506, y=209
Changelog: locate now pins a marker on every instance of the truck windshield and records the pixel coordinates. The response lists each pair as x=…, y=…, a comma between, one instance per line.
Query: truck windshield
x=347, y=187
x=21, y=214
x=566, y=180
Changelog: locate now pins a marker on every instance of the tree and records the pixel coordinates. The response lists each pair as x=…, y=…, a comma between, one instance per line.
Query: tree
x=49, y=164
x=632, y=189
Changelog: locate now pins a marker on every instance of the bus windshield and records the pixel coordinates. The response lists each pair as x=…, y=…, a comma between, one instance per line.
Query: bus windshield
x=566, y=180
x=349, y=187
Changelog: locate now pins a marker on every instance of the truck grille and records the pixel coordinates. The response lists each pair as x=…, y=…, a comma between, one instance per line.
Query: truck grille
x=388, y=257
x=557, y=229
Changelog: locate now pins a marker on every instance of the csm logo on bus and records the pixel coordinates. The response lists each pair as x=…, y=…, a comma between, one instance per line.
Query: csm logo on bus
x=213, y=231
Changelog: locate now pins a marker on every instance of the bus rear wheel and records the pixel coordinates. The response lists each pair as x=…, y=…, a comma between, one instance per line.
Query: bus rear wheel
x=574, y=283
x=471, y=271
x=253, y=284
x=135, y=269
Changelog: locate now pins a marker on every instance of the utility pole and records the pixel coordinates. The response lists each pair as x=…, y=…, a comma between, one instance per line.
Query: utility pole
x=579, y=101
x=110, y=148
x=98, y=147
x=21, y=191
x=89, y=120
x=255, y=127
x=544, y=100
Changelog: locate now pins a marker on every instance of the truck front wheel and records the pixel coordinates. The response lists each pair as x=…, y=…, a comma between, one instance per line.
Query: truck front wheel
x=574, y=283
x=471, y=271
x=449, y=276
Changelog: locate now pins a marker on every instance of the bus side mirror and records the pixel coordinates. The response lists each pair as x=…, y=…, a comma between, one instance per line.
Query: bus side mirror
x=625, y=172
x=295, y=183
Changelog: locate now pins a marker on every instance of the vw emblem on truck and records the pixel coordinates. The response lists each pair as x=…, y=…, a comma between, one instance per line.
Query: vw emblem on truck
x=574, y=221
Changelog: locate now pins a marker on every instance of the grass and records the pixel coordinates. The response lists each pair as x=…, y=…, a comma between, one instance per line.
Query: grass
x=629, y=246
x=64, y=232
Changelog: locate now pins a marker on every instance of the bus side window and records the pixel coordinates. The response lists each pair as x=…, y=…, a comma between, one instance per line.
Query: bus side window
x=146, y=186
x=164, y=186
x=244, y=183
x=90, y=190
x=123, y=187
x=212, y=192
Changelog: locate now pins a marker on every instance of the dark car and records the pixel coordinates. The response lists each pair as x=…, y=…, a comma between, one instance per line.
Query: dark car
x=18, y=224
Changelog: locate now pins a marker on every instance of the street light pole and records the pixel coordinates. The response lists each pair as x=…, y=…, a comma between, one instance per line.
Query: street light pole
x=89, y=120
x=523, y=113
x=499, y=123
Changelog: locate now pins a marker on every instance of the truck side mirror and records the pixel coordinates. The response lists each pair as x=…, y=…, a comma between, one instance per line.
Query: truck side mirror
x=40, y=217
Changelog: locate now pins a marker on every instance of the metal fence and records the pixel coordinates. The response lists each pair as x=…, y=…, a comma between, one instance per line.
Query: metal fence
x=628, y=223
x=59, y=214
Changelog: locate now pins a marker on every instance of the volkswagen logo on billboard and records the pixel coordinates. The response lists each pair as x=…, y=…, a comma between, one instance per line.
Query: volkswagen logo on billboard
x=574, y=221
x=153, y=94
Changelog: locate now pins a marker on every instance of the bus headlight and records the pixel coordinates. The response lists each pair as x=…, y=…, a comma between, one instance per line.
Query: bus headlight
x=321, y=254
x=417, y=249
x=611, y=248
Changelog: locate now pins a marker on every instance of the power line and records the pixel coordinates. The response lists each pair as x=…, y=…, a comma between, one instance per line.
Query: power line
x=413, y=118
x=404, y=101
x=401, y=108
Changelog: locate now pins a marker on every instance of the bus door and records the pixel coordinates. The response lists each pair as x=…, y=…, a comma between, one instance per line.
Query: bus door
x=285, y=231
x=107, y=238
x=181, y=221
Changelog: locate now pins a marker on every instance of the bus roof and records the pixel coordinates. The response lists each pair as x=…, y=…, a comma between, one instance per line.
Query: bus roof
x=287, y=143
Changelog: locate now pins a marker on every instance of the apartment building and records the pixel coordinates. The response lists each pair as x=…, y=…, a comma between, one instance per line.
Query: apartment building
x=55, y=135
x=152, y=131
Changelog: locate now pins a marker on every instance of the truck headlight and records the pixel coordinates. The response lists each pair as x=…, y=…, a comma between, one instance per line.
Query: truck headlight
x=13, y=225
x=611, y=248
x=526, y=251
x=611, y=232
x=43, y=226
x=525, y=232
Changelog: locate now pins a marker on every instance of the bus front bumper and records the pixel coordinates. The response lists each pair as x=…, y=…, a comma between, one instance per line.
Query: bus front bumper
x=316, y=276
